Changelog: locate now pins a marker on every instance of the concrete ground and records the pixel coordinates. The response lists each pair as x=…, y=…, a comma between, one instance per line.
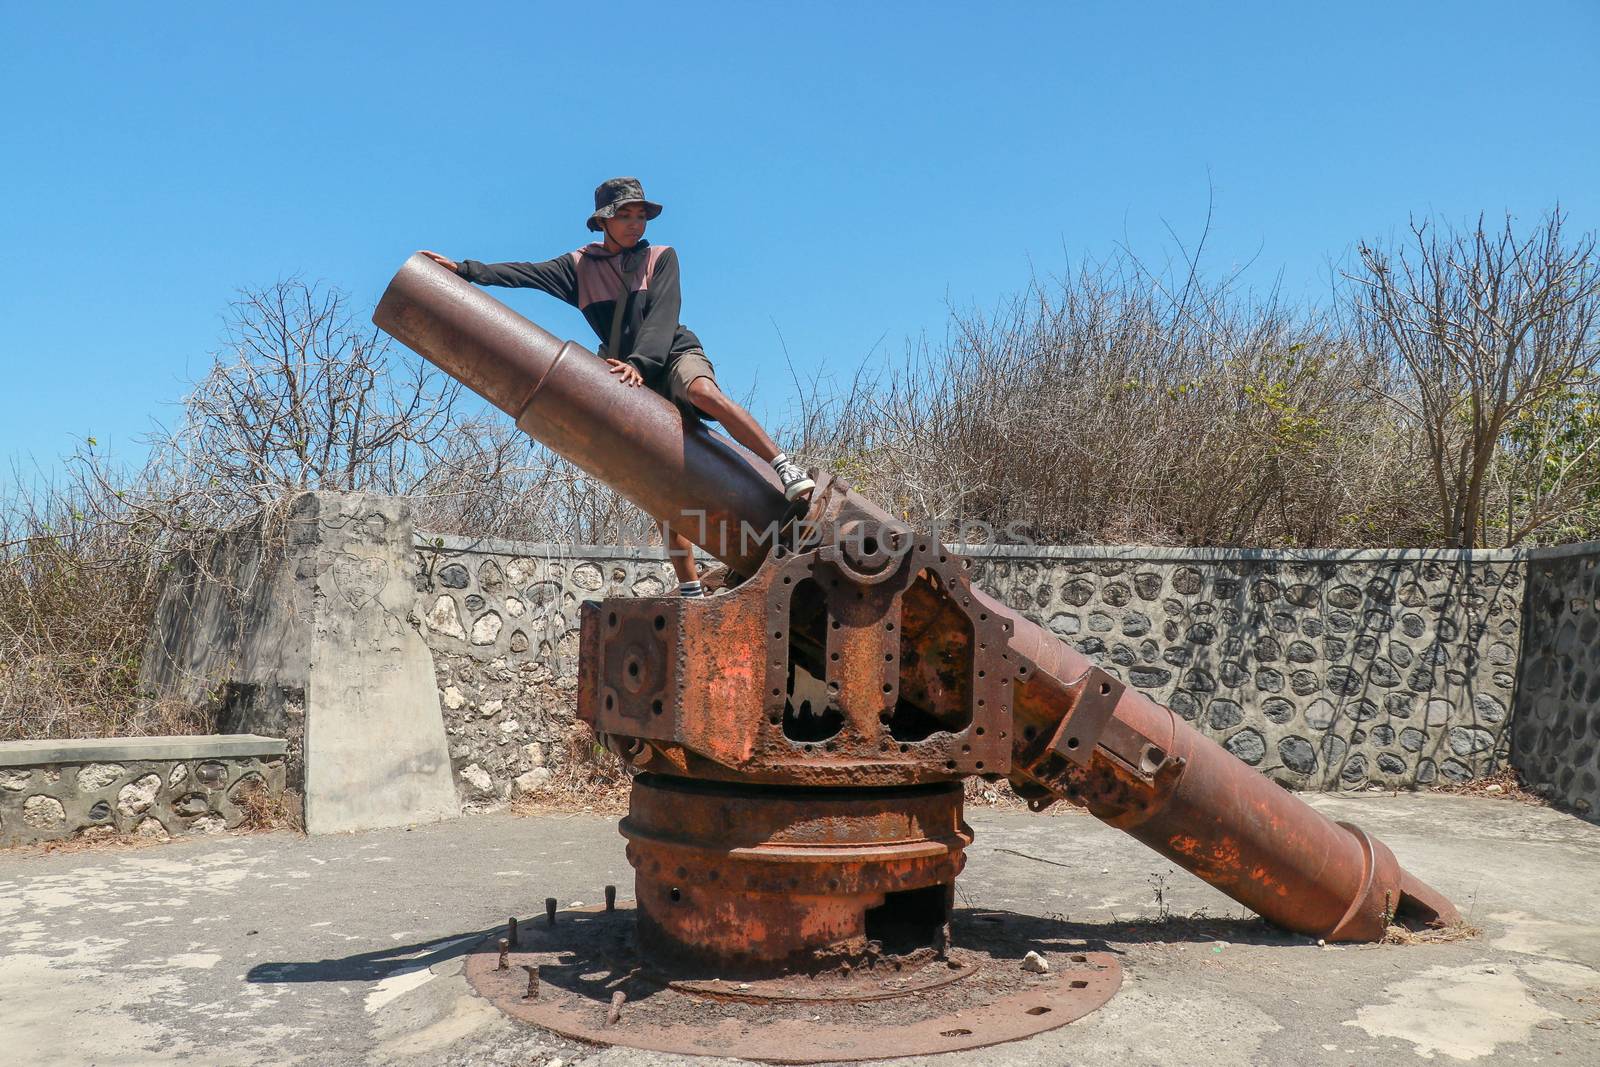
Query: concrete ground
x=275, y=948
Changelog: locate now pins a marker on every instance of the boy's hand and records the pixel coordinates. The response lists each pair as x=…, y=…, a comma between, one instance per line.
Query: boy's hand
x=626, y=371
x=443, y=261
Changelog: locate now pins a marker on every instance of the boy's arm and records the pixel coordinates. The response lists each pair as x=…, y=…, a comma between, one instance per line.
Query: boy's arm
x=660, y=322
x=558, y=277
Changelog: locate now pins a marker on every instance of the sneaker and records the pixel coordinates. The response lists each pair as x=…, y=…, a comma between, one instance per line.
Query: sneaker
x=794, y=479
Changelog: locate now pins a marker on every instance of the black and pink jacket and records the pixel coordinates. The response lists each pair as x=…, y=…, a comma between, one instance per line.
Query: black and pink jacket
x=590, y=279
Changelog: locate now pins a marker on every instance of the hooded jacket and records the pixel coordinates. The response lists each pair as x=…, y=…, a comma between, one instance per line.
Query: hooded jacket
x=591, y=280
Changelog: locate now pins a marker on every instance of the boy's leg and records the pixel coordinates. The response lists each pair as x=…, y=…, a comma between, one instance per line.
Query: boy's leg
x=691, y=382
x=709, y=399
x=680, y=552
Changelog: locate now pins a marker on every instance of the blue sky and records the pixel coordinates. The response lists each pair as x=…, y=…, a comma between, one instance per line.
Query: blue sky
x=837, y=174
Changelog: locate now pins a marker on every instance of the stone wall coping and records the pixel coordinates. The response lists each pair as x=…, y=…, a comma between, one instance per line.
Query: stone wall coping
x=1135, y=553
x=1580, y=548
x=494, y=546
x=1151, y=554
x=130, y=749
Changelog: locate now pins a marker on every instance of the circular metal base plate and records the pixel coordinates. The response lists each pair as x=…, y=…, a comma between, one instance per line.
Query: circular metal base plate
x=979, y=995
x=883, y=983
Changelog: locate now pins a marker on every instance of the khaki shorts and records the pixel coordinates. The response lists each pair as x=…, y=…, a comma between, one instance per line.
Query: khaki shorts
x=683, y=371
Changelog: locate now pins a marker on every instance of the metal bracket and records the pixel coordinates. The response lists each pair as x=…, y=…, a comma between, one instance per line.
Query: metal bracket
x=1085, y=706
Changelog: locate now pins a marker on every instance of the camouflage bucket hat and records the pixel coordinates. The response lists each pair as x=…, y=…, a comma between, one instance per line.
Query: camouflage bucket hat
x=613, y=193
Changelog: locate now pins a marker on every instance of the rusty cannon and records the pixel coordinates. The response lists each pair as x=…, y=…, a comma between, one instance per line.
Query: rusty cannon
x=800, y=740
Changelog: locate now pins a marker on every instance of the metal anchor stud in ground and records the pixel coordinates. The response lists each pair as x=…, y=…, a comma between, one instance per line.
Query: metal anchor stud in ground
x=796, y=826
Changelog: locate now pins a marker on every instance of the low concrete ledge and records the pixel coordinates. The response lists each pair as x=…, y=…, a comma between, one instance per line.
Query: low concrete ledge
x=125, y=749
x=155, y=787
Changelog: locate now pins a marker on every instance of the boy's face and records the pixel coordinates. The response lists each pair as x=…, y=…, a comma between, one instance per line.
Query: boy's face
x=626, y=227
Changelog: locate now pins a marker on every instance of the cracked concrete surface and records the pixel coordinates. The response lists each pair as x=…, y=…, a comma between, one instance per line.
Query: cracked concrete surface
x=346, y=950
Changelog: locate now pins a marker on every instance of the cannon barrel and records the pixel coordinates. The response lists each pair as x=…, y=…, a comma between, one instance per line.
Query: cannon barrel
x=1223, y=821
x=1149, y=772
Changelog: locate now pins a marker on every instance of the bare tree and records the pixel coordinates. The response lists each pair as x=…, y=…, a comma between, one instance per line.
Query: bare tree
x=490, y=480
x=304, y=397
x=1489, y=328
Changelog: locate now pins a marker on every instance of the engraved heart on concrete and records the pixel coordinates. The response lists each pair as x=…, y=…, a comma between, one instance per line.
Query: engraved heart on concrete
x=360, y=579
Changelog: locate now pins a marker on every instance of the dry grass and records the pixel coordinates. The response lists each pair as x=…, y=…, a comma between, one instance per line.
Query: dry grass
x=1503, y=784
x=266, y=810
x=76, y=601
x=1431, y=935
x=590, y=779
x=573, y=802
x=1114, y=404
x=94, y=843
x=576, y=797
x=1251, y=423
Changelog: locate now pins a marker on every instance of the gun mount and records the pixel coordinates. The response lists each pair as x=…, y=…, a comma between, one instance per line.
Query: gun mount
x=800, y=738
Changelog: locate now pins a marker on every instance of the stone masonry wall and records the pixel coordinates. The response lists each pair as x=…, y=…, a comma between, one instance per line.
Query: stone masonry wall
x=129, y=786
x=1556, y=736
x=502, y=621
x=1325, y=670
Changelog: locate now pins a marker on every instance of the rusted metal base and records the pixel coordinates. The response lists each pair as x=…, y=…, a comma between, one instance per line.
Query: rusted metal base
x=762, y=881
x=592, y=985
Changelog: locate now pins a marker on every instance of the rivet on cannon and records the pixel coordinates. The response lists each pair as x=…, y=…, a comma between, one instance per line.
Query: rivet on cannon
x=505, y=951
x=611, y=898
x=614, y=1015
x=533, y=982
x=550, y=911
x=511, y=932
